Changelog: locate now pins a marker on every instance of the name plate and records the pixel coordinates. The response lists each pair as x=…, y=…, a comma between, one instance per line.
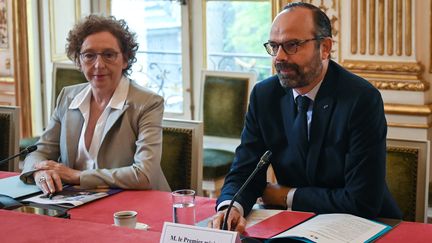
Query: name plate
x=174, y=233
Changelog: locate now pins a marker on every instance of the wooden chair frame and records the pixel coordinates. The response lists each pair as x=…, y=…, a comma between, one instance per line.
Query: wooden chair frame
x=212, y=187
x=196, y=130
x=14, y=134
x=421, y=150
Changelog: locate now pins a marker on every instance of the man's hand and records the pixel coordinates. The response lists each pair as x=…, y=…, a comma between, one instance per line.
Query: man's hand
x=235, y=221
x=275, y=195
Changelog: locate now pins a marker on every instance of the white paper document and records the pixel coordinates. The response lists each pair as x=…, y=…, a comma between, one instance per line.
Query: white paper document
x=336, y=228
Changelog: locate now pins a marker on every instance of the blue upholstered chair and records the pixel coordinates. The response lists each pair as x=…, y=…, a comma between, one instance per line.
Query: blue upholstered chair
x=9, y=136
x=224, y=98
x=182, y=154
x=64, y=74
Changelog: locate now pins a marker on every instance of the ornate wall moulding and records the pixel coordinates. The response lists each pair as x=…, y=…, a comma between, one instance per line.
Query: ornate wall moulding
x=410, y=110
x=7, y=79
x=390, y=75
x=399, y=85
x=392, y=67
x=409, y=125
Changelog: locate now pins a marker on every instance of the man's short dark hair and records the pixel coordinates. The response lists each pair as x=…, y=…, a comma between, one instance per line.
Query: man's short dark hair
x=322, y=22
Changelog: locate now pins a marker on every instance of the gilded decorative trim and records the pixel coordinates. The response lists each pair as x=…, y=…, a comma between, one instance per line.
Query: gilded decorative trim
x=7, y=79
x=354, y=19
x=339, y=39
x=372, y=31
x=405, y=67
x=398, y=149
x=390, y=75
x=381, y=25
x=399, y=27
x=390, y=29
x=277, y=6
x=409, y=125
x=399, y=85
x=363, y=27
x=382, y=76
x=412, y=110
x=408, y=30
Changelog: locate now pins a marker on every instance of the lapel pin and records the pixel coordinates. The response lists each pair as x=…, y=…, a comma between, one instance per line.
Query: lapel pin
x=325, y=106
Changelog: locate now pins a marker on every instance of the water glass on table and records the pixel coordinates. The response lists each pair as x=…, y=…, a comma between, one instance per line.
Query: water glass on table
x=184, y=206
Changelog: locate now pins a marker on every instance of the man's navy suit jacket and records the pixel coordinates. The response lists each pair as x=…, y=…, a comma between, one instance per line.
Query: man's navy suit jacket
x=344, y=171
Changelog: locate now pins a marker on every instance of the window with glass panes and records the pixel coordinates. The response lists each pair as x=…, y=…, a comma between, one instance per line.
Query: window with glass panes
x=234, y=32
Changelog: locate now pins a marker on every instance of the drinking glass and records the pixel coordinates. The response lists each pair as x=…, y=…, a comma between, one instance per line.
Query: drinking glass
x=184, y=206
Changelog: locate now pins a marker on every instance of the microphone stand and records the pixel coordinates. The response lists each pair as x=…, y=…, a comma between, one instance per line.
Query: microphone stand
x=263, y=161
x=25, y=151
x=7, y=202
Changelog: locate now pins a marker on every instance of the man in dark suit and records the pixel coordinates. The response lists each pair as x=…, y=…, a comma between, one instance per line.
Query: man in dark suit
x=341, y=166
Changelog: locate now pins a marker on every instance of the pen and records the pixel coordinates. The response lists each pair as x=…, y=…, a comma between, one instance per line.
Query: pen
x=51, y=195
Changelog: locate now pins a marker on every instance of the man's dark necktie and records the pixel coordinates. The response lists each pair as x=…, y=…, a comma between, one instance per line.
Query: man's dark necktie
x=300, y=128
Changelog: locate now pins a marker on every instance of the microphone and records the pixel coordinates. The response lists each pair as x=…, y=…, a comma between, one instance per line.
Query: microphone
x=25, y=151
x=263, y=161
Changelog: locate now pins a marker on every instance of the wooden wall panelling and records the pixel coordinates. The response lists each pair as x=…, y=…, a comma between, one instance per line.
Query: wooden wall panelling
x=21, y=68
x=7, y=91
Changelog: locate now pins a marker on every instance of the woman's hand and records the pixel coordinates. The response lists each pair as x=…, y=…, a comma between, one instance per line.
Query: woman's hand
x=51, y=174
x=48, y=181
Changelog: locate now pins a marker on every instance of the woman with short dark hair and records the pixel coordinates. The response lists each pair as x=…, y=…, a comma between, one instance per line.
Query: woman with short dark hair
x=107, y=132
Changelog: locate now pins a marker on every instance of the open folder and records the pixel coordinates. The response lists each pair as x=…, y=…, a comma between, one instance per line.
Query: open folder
x=334, y=228
x=15, y=188
x=287, y=226
x=278, y=222
x=294, y=226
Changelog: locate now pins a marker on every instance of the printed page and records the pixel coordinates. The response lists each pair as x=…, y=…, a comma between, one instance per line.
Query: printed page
x=336, y=228
x=72, y=196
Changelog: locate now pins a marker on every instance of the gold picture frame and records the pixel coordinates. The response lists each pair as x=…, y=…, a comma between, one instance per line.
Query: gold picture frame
x=4, y=37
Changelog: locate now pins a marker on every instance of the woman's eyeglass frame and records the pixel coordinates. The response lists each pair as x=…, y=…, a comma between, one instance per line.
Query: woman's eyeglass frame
x=90, y=57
